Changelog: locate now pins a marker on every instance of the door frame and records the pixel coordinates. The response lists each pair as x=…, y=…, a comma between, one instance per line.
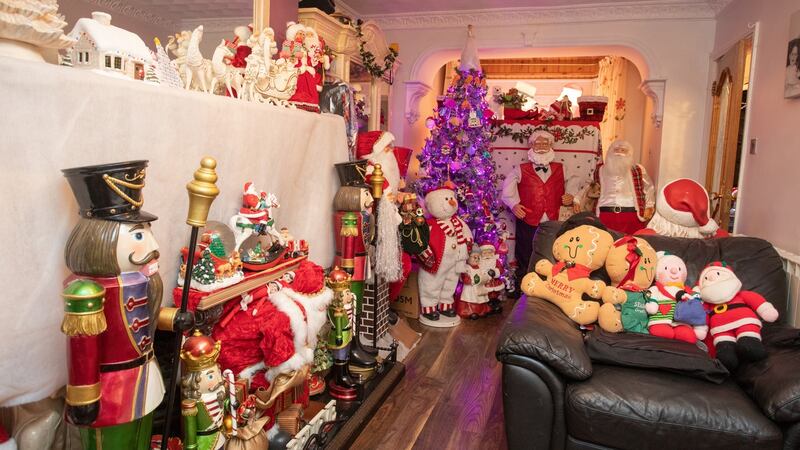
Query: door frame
x=753, y=31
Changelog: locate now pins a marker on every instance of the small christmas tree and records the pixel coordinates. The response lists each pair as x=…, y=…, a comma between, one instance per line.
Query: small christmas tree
x=203, y=271
x=166, y=72
x=217, y=247
x=323, y=359
x=150, y=75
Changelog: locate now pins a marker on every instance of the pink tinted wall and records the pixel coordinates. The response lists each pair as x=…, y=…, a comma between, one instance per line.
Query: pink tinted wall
x=280, y=12
x=769, y=184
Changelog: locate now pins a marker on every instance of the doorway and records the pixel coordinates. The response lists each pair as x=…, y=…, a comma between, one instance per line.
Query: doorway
x=729, y=97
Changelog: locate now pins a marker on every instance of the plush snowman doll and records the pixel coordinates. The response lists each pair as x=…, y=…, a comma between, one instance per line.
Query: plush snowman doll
x=450, y=243
x=671, y=289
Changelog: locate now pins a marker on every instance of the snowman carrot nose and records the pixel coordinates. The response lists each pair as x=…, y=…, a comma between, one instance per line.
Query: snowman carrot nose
x=452, y=202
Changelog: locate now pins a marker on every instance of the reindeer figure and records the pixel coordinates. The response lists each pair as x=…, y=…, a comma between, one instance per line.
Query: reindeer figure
x=224, y=72
x=197, y=68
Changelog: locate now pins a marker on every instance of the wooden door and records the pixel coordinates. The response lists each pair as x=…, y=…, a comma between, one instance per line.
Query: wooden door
x=724, y=147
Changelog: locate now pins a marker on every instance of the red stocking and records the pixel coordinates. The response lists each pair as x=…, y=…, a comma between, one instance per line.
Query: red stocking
x=663, y=330
x=685, y=333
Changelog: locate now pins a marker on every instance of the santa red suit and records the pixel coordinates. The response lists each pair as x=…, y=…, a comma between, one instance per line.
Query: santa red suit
x=682, y=210
x=311, y=64
x=626, y=190
x=480, y=279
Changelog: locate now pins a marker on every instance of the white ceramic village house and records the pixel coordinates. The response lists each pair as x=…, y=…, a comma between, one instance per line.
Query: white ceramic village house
x=104, y=48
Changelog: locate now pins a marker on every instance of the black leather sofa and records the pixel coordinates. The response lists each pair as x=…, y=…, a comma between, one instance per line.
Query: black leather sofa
x=555, y=397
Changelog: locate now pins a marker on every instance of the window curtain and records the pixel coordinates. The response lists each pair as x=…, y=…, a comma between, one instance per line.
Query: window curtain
x=611, y=83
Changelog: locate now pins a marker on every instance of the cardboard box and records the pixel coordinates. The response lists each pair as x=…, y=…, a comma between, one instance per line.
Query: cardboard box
x=407, y=303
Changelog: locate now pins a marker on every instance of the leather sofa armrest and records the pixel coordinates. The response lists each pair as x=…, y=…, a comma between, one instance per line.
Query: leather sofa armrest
x=773, y=382
x=539, y=330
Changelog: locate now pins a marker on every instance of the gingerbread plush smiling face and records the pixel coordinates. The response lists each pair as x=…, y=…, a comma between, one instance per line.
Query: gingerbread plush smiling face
x=627, y=251
x=585, y=245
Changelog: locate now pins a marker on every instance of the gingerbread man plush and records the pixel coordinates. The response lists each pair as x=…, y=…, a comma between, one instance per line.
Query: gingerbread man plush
x=631, y=265
x=578, y=250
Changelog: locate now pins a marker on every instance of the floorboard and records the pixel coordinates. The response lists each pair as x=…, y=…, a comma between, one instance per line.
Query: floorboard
x=450, y=397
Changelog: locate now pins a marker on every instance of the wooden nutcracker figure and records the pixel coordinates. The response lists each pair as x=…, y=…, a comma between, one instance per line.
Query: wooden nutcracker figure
x=342, y=320
x=112, y=308
x=202, y=384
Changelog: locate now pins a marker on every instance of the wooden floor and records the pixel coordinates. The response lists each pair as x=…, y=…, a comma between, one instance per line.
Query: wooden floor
x=450, y=397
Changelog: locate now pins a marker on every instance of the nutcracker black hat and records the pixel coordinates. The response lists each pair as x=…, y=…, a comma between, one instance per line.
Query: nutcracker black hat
x=110, y=191
x=353, y=173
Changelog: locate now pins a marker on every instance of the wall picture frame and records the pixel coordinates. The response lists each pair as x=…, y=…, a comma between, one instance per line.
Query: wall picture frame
x=791, y=87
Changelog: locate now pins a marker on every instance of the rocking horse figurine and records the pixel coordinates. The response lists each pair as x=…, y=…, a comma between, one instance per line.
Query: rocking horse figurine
x=255, y=217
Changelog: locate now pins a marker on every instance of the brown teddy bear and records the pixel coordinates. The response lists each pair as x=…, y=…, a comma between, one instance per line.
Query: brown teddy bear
x=631, y=265
x=579, y=249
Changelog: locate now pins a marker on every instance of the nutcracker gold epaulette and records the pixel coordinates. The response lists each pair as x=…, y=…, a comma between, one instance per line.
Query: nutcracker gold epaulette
x=349, y=224
x=83, y=308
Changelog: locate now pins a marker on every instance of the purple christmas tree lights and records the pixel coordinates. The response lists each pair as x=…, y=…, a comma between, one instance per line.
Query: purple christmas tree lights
x=459, y=150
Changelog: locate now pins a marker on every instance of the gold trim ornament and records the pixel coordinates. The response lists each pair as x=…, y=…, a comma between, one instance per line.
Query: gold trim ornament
x=82, y=395
x=114, y=182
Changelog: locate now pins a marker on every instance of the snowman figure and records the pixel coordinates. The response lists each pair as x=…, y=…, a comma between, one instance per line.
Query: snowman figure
x=450, y=243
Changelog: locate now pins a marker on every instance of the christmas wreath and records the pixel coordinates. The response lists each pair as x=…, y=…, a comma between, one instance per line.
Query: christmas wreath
x=375, y=70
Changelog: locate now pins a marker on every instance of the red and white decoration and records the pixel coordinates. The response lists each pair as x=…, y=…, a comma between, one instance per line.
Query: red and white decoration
x=577, y=147
x=683, y=210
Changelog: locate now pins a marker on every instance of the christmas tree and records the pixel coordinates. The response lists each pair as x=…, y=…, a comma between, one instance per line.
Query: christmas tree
x=216, y=246
x=459, y=149
x=203, y=271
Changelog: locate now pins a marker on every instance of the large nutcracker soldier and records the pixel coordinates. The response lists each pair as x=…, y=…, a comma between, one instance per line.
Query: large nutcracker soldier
x=112, y=308
x=353, y=230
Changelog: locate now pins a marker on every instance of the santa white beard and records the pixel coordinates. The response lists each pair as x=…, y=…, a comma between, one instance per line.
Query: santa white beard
x=388, y=264
x=664, y=227
x=389, y=167
x=541, y=159
x=720, y=291
x=617, y=165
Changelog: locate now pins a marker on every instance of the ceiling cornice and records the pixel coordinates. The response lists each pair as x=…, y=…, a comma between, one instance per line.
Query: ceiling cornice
x=603, y=12
x=126, y=9
x=347, y=10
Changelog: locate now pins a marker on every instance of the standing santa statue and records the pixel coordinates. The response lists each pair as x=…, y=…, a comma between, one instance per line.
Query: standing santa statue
x=534, y=192
x=450, y=243
x=682, y=210
x=627, y=195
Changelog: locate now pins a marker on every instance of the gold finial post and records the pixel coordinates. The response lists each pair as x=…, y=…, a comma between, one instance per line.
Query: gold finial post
x=260, y=15
x=377, y=182
x=202, y=192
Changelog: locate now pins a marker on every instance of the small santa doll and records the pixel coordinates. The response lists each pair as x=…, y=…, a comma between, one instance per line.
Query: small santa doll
x=491, y=265
x=480, y=279
x=733, y=315
x=682, y=210
x=450, y=244
x=627, y=195
x=534, y=192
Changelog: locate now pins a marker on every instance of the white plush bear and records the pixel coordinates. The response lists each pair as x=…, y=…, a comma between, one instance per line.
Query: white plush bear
x=450, y=243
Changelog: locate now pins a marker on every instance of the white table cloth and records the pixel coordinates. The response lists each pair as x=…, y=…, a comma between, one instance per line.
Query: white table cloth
x=58, y=117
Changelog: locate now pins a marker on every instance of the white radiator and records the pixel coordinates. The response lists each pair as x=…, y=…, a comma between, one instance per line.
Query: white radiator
x=791, y=264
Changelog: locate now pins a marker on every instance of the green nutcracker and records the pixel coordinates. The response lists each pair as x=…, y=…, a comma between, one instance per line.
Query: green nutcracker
x=341, y=317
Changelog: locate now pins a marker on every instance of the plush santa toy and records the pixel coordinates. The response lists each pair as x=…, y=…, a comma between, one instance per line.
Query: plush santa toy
x=733, y=315
x=450, y=243
x=682, y=210
x=670, y=288
x=534, y=192
x=627, y=195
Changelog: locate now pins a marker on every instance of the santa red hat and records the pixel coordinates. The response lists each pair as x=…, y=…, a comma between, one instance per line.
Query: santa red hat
x=403, y=157
x=720, y=266
x=685, y=202
x=309, y=279
x=370, y=141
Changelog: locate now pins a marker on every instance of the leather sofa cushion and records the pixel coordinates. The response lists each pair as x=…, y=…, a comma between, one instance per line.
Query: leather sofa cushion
x=539, y=330
x=774, y=383
x=629, y=408
x=651, y=352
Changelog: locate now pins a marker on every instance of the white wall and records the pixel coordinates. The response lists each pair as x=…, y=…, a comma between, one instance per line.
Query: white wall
x=769, y=183
x=675, y=50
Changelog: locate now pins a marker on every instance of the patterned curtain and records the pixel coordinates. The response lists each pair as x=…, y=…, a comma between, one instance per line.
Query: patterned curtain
x=611, y=83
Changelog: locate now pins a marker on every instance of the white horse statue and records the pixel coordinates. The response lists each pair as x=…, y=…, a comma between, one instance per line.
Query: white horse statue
x=197, y=68
x=225, y=73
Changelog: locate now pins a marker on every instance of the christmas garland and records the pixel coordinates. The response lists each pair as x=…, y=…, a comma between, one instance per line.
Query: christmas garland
x=562, y=134
x=368, y=58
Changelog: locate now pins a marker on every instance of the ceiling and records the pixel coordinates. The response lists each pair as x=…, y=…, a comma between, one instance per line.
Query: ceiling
x=373, y=7
x=177, y=10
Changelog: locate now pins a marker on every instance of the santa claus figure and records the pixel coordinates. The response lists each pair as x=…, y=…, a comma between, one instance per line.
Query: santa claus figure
x=450, y=243
x=311, y=62
x=534, y=192
x=627, y=195
x=682, y=210
x=481, y=278
x=378, y=148
x=733, y=315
